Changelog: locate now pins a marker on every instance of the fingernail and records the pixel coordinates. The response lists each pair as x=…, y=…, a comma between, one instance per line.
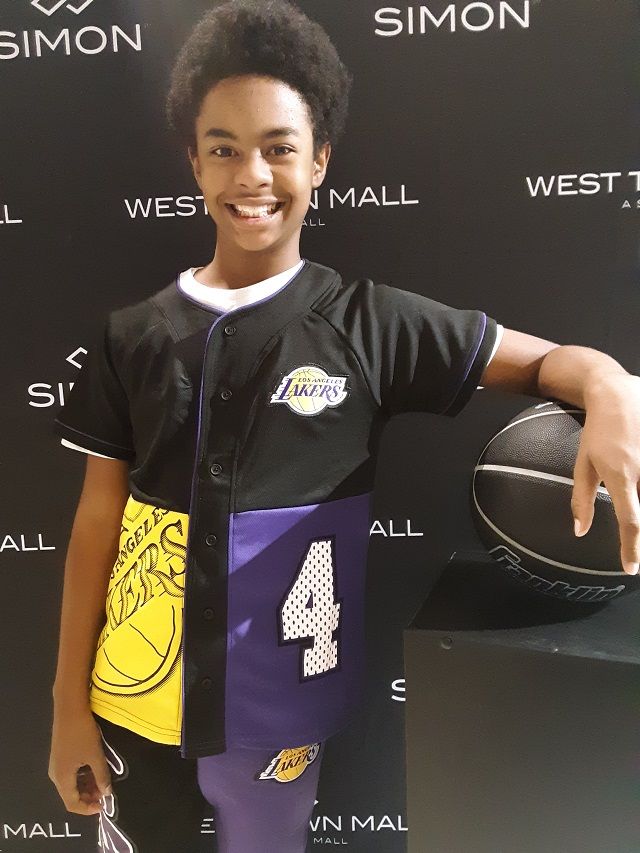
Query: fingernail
x=632, y=568
x=577, y=526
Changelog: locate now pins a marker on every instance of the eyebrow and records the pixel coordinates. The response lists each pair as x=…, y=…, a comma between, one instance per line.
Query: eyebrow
x=221, y=133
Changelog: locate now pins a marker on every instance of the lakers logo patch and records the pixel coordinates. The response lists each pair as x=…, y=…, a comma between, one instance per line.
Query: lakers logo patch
x=308, y=390
x=289, y=764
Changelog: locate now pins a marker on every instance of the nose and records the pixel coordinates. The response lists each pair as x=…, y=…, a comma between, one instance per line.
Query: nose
x=253, y=171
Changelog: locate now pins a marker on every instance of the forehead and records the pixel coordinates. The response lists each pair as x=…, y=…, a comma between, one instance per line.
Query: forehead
x=252, y=104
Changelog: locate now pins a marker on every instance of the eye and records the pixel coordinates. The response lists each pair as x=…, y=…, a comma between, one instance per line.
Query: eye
x=282, y=148
x=223, y=148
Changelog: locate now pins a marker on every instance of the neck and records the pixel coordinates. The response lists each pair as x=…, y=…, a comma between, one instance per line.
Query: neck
x=233, y=271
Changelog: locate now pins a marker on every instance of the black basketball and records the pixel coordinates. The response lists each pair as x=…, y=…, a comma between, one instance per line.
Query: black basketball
x=521, y=507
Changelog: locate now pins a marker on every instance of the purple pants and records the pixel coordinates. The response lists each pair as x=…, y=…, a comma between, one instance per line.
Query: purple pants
x=262, y=800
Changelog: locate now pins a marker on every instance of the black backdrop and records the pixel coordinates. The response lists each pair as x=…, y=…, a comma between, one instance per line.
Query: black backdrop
x=490, y=161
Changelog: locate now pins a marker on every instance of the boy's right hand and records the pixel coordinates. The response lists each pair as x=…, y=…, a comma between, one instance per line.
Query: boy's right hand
x=76, y=745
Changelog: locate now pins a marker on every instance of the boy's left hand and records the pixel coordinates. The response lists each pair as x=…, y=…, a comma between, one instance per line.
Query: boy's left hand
x=609, y=452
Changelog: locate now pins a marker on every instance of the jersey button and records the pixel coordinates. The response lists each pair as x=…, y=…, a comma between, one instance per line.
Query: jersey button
x=229, y=330
x=216, y=469
x=206, y=683
x=211, y=538
x=208, y=613
x=225, y=394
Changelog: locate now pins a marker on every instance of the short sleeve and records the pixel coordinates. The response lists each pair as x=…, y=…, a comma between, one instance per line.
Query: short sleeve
x=432, y=355
x=95, y=416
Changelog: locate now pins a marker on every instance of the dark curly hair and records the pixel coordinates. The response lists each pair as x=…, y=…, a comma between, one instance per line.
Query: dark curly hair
x=268, y=37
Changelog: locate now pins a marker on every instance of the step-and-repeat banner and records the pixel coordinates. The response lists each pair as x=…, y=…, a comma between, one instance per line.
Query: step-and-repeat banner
x=490, y=161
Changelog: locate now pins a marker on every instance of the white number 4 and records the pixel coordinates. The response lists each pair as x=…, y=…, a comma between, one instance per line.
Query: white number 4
x=310, y=611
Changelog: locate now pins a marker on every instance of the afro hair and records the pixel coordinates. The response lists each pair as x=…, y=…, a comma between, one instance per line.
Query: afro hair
x=267, y=37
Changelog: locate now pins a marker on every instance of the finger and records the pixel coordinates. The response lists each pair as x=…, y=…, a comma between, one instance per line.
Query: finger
x=585, y=488
x=102, y=777
x=98, y=782
x=74, y=801
x=626, y=504
x=85, y=795
x=80, y=803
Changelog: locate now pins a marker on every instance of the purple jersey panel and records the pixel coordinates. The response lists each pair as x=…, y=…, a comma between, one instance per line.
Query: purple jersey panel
x=296, y=621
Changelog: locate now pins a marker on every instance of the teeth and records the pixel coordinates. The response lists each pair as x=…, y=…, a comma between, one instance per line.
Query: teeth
x=265, y=210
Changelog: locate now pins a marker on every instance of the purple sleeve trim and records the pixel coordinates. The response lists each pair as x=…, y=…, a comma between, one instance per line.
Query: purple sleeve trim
x=90, y=442
x=471, y=359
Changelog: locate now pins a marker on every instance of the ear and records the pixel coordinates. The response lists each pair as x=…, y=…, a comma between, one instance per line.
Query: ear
x=195, y=165
x=320, y=165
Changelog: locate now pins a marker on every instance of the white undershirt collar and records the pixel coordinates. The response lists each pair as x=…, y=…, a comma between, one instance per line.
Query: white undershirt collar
x=223, y=299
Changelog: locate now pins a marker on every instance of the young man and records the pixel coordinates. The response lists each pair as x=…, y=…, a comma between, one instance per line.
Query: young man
x=231, y=422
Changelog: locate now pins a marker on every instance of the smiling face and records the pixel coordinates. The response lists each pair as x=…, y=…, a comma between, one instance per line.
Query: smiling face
x=255, y=147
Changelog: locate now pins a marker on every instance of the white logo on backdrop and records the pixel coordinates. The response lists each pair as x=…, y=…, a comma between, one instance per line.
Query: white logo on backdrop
x=326, y=829
x=474, y=17
x=37, y=830
x=161, y=207
x=44, y=394
x=51, y=8
x=88, y=40
x=5, y=216
x=403, y=528
x=587, y=183
x=207, y=827
x=20, y=544
x=398, y=690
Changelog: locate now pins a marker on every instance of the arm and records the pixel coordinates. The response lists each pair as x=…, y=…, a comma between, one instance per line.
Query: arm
x=529, y=365
x=517, y=362
x=608, y=450
x=91, y=553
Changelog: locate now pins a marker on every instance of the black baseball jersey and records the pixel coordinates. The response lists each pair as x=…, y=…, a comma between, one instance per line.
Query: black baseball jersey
x=235, y=607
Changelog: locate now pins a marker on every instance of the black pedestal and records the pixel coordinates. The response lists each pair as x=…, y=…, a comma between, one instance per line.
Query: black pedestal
x=522, y=719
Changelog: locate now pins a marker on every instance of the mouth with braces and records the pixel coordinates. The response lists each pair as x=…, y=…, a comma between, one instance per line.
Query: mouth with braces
x=251, y=212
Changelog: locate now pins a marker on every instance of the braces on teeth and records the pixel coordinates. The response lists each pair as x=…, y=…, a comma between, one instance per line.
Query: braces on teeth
x=254, y=211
